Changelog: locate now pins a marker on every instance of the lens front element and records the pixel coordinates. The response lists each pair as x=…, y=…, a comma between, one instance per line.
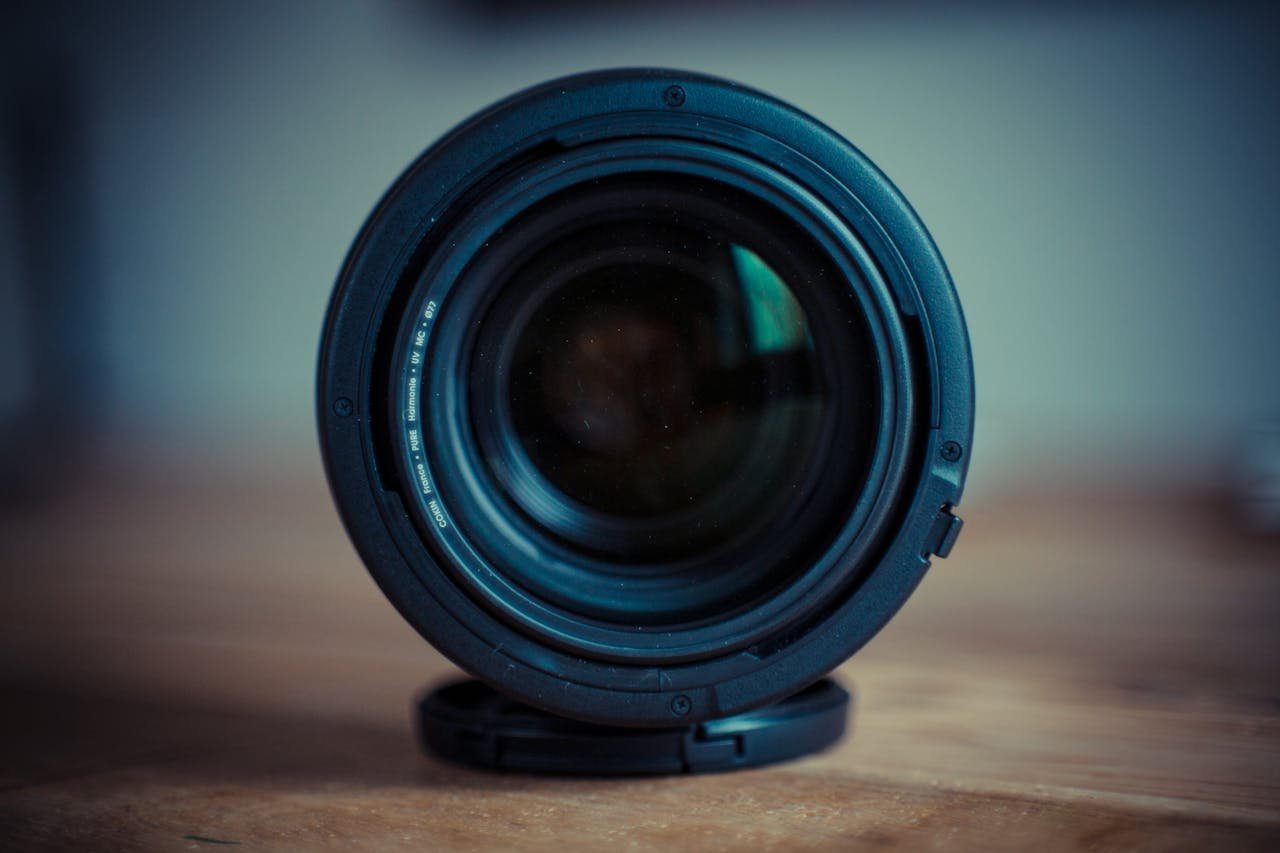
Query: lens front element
x=648, y=402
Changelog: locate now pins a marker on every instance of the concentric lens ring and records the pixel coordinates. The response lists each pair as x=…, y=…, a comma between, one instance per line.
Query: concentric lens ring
x=448, y=459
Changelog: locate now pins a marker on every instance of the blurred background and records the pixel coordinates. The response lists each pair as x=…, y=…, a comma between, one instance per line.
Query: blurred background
x=179, y=183
x=182, y=181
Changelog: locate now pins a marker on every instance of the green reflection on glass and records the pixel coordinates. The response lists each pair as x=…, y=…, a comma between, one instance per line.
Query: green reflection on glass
x=777, y=320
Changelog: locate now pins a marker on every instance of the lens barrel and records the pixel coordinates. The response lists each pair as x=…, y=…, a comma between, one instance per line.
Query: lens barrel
x=645, y=398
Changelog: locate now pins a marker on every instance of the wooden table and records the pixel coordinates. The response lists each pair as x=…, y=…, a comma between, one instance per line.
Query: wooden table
x=191, y=660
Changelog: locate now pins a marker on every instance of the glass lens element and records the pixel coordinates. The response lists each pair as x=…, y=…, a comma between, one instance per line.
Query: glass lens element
x=652, y=400
x=653, y=382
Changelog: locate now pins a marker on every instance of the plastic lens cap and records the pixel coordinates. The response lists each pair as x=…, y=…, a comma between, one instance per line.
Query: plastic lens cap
x=470, y=723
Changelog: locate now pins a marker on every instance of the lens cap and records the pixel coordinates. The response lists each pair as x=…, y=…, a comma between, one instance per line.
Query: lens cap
x=470, y=723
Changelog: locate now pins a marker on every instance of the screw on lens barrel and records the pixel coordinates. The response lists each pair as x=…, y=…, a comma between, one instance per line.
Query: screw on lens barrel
x=951, y=451
x=673, y=96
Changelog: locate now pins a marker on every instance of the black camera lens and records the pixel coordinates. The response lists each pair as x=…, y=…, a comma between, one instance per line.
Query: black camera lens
x=629, y=398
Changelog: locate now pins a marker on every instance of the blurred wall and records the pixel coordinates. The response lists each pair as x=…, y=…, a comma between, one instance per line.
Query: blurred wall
x=1103, y=183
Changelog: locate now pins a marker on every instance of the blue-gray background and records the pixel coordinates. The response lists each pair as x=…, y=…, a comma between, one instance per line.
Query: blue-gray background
x=1102, y=181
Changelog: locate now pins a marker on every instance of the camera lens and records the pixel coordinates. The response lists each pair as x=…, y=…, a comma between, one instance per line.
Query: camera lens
x=625, y=397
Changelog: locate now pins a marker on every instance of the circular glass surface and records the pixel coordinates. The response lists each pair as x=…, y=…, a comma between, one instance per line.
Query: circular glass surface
x=668, y=403
x=664, y=373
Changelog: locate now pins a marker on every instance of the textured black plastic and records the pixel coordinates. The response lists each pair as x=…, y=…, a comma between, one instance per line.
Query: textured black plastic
x=470, y=723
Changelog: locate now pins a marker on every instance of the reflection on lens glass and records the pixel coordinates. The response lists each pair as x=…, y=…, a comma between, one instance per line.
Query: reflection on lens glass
x=650, y=399
x=665, y=372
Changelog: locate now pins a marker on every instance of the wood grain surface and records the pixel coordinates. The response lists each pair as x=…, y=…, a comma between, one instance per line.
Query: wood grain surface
x=192, y=659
